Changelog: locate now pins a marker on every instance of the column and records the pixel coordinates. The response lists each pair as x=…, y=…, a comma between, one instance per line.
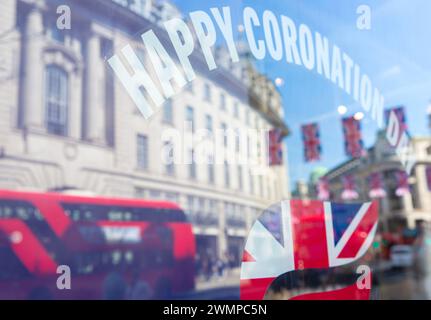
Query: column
x=33, y=113
x=407, y=203
x=385, y=214
x=94, y=99
x=422, y=187
x=249, y=212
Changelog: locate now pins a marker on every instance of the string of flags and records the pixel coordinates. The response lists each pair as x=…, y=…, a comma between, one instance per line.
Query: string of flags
x=353, y=142
x=354, y=148
x=375, y=183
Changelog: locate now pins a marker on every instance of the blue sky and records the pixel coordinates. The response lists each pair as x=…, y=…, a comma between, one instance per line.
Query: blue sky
x=395, y=53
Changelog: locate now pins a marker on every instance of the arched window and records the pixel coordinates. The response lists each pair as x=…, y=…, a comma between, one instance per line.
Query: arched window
x=56, y=99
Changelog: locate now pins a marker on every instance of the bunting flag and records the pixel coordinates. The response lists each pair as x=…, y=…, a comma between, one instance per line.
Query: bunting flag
x=349, y=188
x=428, y=174
x=275, y=147
x=402, y=183
x=376, y=186
x=353, y=143
x=401, y=115
x=323, y=189
x=311, y=139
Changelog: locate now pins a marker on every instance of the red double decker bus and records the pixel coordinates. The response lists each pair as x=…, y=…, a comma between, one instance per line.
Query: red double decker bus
x=114, y=248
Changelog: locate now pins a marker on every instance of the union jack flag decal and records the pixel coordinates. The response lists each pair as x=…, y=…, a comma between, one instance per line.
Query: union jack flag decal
x=353, y=143
x=296, y=235
x=311, y=139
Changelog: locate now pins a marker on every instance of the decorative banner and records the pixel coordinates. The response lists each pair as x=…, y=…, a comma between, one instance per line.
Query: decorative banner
x=349, y=188
x=401, y=115
x=353, y=143
x=295, y=236
x=428, y=174
x=275, y=147
x=402, y=183
x=323, y=189
x=377, y=190
x=311, y=139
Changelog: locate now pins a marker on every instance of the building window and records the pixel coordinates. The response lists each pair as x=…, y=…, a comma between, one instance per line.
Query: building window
x=190, y=205
x=192, y=166
x=247, y=117
x=248, y=146
x=169, y=160
x=269, y=189
x=236, y=110
x=240, y=178
x=222, y=102
x=415, y=197
x=237, y=140
x=172, y=196
x=142, y=151
x=201, y=206
x=207, y=92
x=168, y=116
x=56, y=100
x=261, y=186
x=224, y=129
x=140, y=192
x=226, y=174
x=189, y=87
x=251, y=180
x=212, y=211
x=154, y=194
x=209, y=123
x=55, y=33
x=211, y=173
x=190, y=118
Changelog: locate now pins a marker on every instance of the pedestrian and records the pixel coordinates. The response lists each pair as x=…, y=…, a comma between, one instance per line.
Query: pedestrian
x=138, y=288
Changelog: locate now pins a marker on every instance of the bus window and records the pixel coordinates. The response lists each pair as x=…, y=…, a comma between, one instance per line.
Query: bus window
x=87, y=212
x=33, y=219
x=11, y=267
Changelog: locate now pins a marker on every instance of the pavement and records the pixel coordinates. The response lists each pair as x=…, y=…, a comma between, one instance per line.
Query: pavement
x=230, y=278
x=225, y=287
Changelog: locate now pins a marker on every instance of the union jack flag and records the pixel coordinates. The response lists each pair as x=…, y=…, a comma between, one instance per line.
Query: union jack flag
x=349, y=188
x=376, y=185
x=275, y=147
x=323, y=189
x=296, y=235
x=401, y=115
x=353, y=143
x=402, y=183
x=311, y=138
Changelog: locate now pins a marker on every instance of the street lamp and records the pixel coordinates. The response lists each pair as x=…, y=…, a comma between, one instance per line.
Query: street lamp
x=342, y=109
x=279, y=81
x=358, y=116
